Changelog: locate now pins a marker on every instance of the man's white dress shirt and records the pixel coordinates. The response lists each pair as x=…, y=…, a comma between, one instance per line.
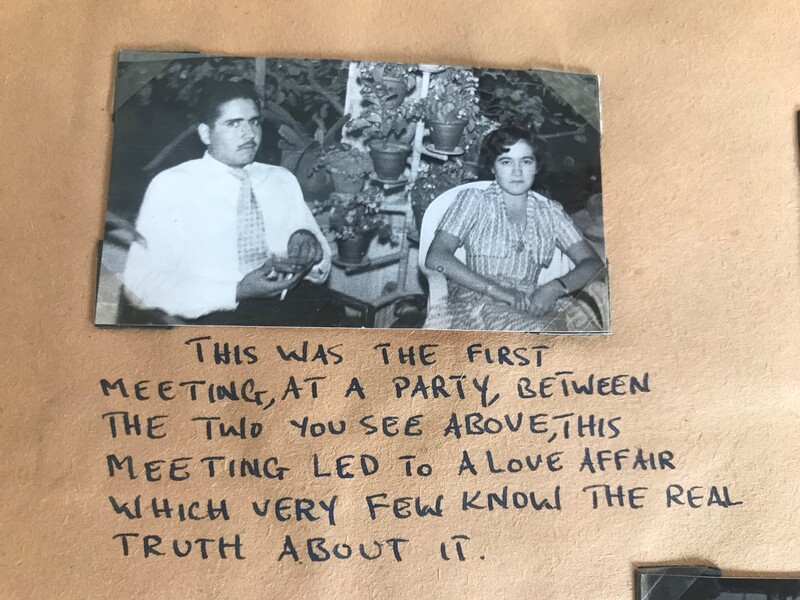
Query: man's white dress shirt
x=186, y=262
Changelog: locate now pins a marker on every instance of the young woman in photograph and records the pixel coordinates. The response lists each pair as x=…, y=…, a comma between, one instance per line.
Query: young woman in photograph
x=510, y=234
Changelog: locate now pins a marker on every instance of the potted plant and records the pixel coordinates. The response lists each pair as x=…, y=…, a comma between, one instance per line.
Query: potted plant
x=473, y=143
x=451, y=106
x=354, y=221
x=348, y=167
x=436, y=180
x=304, y=99
x=385, y=125
x=300, y=153
x=395, y=79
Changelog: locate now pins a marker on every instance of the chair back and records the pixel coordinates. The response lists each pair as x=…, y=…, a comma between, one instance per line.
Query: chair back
x=434, y=215
x=437, y=284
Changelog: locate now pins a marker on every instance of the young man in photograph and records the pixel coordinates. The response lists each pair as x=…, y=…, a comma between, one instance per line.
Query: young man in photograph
x=224, y=240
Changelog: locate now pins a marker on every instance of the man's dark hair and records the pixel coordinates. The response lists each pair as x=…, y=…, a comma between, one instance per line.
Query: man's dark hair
x=500, y=140
x=216, y=93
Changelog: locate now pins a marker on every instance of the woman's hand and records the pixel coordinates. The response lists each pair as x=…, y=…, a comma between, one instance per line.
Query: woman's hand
x=543, y=300
x=521, y=301
x=516, y=299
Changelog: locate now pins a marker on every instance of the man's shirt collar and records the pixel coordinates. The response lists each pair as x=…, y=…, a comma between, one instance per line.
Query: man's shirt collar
x=214, y=166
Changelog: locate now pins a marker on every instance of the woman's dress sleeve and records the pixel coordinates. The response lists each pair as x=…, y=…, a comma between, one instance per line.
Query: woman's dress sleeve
x=463, y=215
x=566, y=233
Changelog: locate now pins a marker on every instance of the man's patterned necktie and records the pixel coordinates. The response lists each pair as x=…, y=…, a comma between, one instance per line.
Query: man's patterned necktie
x=252, y=239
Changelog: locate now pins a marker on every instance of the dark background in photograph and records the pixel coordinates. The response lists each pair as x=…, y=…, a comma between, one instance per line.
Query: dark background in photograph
x=153, y=125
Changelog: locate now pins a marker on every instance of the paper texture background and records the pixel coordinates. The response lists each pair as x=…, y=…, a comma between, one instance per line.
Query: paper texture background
x=700, y=179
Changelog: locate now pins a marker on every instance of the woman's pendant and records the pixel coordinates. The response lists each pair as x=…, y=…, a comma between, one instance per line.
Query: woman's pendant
x=520, y=246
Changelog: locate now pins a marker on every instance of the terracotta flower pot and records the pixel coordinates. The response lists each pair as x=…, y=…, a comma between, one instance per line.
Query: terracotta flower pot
x=389, y=160
x=347, y=183
x=352, y=251
x=446, y=135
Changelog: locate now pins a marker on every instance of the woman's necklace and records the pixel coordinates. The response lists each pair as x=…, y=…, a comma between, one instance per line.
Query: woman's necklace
x=520, y=232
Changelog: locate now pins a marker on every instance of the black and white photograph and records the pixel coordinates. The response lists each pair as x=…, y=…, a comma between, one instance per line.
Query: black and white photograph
x=680, y=584
x=329, y=193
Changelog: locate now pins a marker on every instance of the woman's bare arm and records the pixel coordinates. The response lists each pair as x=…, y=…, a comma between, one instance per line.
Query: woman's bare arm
x=587, y=264
x=441, y=258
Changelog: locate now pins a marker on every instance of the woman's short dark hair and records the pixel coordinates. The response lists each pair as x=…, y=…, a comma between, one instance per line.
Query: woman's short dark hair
x=216, y=93
x=500, y=140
